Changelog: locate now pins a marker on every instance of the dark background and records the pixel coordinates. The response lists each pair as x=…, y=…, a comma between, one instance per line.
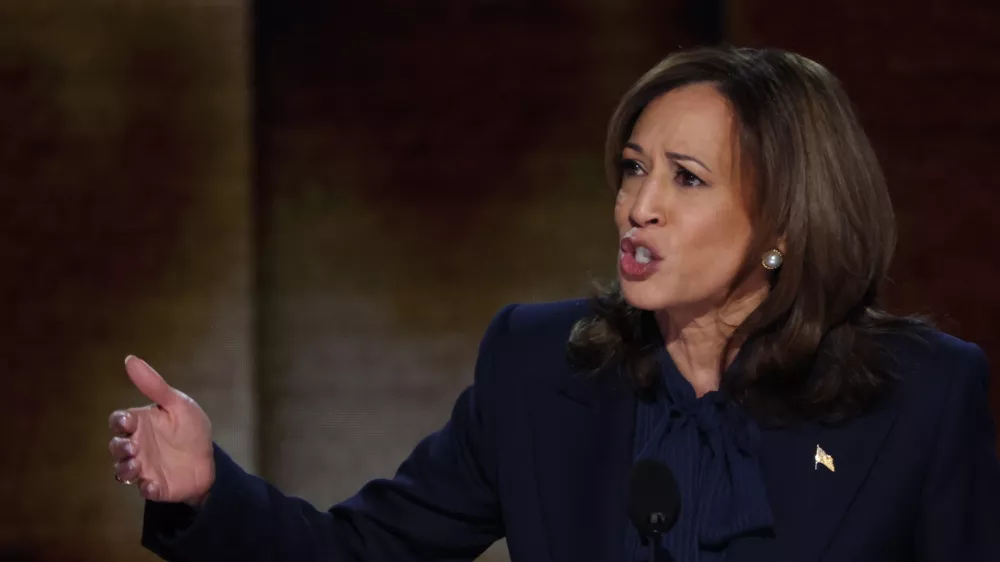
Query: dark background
x=305, y=213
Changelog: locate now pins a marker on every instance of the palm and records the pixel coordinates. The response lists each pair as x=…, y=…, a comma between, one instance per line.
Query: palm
x=171, y=440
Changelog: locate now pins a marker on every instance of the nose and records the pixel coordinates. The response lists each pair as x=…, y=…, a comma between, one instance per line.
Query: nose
x=647, y=209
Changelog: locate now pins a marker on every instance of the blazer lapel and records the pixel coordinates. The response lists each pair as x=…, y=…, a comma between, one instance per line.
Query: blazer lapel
x=583, y=450
x=808, y=499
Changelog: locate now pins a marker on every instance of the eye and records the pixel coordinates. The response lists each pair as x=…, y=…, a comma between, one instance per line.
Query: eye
x=685, y=178
x=630, y=167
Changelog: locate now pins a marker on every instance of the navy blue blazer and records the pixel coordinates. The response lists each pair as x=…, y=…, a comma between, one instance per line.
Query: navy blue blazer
x=538, y=454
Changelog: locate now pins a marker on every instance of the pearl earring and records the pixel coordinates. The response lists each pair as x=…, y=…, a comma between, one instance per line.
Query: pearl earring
x=772, y=259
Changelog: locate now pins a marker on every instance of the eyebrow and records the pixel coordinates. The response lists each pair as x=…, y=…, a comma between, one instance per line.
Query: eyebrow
x=677, y=156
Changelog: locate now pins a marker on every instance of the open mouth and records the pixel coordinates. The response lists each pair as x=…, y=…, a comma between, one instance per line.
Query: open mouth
x=635, y=260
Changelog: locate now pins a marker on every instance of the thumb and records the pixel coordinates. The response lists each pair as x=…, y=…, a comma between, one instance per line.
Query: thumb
x=149, y=382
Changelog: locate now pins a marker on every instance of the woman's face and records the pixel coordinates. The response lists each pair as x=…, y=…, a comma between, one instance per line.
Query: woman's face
x=681, y=211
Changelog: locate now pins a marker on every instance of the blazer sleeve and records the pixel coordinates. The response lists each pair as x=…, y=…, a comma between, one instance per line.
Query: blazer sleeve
x=959, y=516
x=442, y=504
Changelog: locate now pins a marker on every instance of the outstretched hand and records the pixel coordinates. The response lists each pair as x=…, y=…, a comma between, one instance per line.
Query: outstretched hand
x=164, y=448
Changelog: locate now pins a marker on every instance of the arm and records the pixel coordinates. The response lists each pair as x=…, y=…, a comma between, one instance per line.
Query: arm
x=442, y=503
x=959, y=517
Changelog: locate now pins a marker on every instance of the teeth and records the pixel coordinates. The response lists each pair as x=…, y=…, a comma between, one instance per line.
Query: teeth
x=643, y=255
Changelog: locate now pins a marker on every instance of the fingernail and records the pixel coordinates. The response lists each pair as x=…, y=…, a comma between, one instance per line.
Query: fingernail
x=129, y=357
x=129, y=448
x=120, y=420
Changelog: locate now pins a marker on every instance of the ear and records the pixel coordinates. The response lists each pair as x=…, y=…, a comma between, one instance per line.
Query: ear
x=782, y=246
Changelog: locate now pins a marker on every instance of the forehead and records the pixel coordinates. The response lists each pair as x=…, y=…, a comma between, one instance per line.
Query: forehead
x=693, y=119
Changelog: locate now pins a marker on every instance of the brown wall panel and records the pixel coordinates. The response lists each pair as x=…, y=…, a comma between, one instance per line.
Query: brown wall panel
x=124, y=228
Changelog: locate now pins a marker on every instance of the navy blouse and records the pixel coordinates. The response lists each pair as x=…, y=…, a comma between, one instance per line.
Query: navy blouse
x=710, y=445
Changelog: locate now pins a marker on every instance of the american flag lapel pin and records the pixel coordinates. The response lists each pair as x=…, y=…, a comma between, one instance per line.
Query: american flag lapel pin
x=823, y=458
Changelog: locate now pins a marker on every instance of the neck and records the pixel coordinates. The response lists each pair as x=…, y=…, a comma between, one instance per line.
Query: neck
x=696, y=339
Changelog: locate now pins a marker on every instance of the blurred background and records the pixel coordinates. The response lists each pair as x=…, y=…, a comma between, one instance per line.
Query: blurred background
x=305, y=213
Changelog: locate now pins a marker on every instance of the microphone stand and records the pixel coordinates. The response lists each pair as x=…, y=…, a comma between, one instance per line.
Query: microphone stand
x=653, y=540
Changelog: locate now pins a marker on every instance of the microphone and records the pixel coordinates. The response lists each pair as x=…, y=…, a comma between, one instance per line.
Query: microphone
x=654, y=501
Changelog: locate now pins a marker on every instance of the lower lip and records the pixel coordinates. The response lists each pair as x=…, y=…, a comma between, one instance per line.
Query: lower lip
x=631, y=270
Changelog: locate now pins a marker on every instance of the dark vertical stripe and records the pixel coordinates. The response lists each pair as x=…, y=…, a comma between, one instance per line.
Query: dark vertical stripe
x=257, y=234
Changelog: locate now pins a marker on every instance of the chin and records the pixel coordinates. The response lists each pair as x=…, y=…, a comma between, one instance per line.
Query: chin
x=645, y=296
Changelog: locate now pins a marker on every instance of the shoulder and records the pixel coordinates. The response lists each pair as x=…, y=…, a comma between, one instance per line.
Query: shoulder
x=939, y=375
x=927, y=357
x=548, y=319
x=543, y=323
x=535, y=335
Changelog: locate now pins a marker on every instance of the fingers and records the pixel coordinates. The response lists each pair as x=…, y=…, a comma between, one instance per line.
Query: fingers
x=123, y=448
x=127, y=471
x=149, y=382
x=150, y=490
x=123, y=422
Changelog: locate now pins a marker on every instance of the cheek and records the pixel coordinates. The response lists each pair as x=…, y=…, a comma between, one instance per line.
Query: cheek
x=739, y=232
x=717, y=244
x=621, y=208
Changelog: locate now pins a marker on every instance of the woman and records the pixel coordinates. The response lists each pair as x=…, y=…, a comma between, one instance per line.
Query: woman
x=742, y=347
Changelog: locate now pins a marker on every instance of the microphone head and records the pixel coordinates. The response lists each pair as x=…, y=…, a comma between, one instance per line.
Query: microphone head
x=654, y=500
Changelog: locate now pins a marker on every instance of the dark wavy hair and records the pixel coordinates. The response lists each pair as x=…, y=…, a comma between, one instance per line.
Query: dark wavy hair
x=811, y=350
